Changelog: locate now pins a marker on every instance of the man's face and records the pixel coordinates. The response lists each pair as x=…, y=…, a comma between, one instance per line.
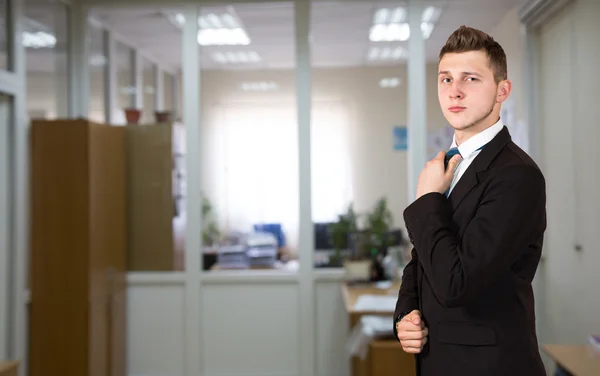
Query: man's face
x=467, y=91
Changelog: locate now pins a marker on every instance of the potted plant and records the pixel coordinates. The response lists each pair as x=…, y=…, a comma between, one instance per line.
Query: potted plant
x=345, y=235
x=211, y=234
x=162, y=116
x=132, y=115
x=379, y=224
x=339, y=233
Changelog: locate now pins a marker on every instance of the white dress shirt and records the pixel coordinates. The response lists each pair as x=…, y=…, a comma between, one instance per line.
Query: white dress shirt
x=470, y=149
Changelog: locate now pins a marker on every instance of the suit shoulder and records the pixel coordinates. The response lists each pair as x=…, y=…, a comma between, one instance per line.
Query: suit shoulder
x=514, y=163
x=521, y=155
x=514, y=156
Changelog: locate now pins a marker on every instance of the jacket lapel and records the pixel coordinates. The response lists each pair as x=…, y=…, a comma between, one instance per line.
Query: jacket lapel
x=482, y=161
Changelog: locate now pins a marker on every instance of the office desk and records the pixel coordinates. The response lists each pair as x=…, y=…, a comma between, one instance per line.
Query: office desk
x=8, y=368
x=385, y=357
x=580, y=360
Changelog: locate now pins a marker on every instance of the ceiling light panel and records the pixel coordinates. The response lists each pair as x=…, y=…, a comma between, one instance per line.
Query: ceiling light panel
x=223, y=29
x=387, y=54
x=236, y=57
x=260, y=86
x=427, y=29
x=390, y=24
x=431, y=15
x=388, y=83
x=39, y=39
x=223, y=37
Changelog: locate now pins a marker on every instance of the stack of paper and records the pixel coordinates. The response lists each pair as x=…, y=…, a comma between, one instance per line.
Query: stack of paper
x=376, y=303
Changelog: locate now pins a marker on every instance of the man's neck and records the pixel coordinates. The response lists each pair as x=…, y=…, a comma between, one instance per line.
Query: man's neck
x=461, y=136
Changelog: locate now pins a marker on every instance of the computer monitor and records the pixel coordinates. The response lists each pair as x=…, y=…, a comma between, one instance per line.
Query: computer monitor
x=322, y=238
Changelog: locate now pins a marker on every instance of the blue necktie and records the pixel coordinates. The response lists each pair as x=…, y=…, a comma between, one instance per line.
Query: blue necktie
x=449, y=154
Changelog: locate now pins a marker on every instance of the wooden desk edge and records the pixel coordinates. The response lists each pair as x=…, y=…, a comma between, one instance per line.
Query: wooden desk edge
x=368, y=290
x=8, y=365
x=558, y=352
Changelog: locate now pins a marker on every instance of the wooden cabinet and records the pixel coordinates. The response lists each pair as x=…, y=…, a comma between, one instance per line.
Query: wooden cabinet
x=150, y=199
x=78, y=241
x=387, y=358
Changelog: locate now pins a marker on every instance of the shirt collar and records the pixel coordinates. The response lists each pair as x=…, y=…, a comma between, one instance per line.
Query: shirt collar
x=480, y=139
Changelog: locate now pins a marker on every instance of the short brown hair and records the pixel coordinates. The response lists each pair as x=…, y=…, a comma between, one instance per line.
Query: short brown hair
x=466, y=39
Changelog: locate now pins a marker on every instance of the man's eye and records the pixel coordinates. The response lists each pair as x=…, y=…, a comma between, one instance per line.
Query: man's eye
x=446, y=80
x=472, y=79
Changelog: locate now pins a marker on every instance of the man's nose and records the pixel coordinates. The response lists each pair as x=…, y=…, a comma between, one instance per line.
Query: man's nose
x=456, y=93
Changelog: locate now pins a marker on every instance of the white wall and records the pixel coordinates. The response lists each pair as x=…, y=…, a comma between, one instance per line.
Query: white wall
x=332, y=328
x=155, y=328
x=569, y=129
x=508, y=33
x=250, y=328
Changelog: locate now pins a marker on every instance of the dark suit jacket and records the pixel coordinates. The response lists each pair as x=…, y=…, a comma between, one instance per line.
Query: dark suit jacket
x=474, y=258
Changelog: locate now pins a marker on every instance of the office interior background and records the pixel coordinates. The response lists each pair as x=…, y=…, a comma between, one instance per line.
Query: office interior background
x=282, y=114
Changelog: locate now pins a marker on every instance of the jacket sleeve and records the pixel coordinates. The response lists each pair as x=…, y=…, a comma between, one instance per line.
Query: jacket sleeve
x=408, y=297
x=511, y=213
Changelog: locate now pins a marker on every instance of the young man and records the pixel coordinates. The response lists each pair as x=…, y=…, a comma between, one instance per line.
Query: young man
x=466, y=304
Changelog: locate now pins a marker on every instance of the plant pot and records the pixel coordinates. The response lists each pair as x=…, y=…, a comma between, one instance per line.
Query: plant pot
x=132, y=115
x=162, y=116
x=358, y=270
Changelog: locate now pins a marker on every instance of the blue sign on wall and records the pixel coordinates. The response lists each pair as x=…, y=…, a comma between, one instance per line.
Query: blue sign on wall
x=400, y=138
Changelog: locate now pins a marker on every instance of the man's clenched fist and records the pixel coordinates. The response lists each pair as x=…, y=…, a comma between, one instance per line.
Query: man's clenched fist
x=412, y=332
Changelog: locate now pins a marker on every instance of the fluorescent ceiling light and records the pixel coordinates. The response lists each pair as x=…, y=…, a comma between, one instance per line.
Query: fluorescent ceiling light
x=387, y=53
x=381, y=16
x=212, y=20
x=39, y=39
x=431, y=15
x=427, y=29
x=398, y=16
x=390, y=25
x=389, y=82
x=385, y=16
x=237, y=57
x=223, y=37
x=217, y=30
x=259, y=86
x=390, y=33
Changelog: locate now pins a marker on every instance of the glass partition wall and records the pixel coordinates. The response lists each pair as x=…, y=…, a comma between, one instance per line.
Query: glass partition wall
x=248, y=161
x=248, y=137
x=46, y=41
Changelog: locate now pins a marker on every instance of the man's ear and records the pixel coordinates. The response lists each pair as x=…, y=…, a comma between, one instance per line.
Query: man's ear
x=504, y=89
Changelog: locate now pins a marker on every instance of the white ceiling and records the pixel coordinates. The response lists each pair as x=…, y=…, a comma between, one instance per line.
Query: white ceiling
x=339, y=30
